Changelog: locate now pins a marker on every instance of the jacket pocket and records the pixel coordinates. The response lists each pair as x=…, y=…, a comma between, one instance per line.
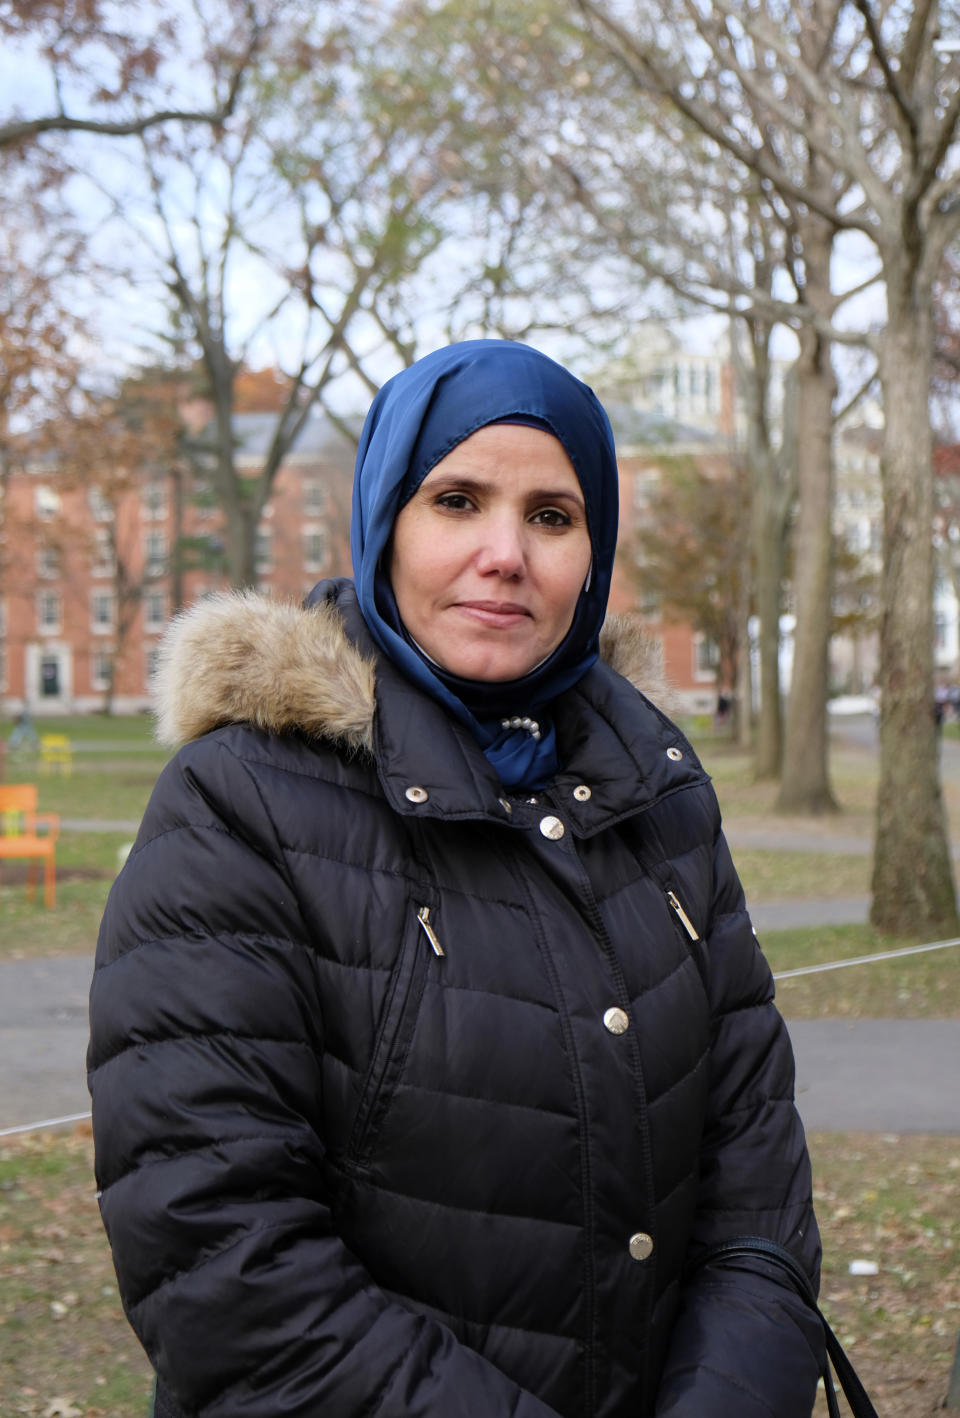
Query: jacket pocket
x=420, y=950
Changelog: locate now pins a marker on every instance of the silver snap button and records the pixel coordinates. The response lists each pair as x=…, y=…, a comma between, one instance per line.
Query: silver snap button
x=641, y=1246
x=505, y=804
x=416, y=795
x=582, y=794
x=616, y=1020
x=552, y=827
x=674, y=754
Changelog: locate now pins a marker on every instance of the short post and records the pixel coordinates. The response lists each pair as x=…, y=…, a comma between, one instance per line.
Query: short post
x=952, y=1399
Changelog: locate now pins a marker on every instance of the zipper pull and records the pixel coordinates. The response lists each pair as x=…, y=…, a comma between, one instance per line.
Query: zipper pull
x=423, y=916
x=685, y=920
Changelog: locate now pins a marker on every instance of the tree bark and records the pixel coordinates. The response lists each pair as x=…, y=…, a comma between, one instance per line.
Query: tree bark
x=767, y=522
x=913, y=885
x=768, y=577
x=805, y=782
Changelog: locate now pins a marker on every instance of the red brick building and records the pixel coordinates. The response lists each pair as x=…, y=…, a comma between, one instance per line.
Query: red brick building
x=88, y=579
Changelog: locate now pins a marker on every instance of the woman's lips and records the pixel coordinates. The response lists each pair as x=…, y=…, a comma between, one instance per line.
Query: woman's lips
x=499, y=615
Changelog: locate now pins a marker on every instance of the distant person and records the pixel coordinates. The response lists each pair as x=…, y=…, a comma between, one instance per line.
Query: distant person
x=431, y=1048
x=23, y=736
x=723, y=710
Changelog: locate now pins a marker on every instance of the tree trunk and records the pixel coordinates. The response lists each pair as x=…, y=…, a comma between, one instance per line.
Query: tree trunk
x=177, y=477
x=767, y=579
x=108, y=692
x=239, y=540
x=913, y=886
x=766, y=547
x=805, y=782
x=743, y=689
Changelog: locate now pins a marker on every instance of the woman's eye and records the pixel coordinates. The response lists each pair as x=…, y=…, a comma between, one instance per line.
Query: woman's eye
x=551, y=517
x=455, y=501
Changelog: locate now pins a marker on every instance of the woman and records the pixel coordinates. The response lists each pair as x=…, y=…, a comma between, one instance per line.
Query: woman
x=430, y=1039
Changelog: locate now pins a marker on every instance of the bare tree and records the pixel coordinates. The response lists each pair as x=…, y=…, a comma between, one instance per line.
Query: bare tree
x=886, y=146
x=691, y=552
x=106, y=70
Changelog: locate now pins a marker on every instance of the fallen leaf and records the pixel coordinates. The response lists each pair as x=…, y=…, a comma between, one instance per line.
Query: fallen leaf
x=62, y=1408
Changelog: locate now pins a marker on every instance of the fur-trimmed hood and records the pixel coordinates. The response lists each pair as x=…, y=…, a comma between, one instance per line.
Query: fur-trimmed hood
x=241, y=657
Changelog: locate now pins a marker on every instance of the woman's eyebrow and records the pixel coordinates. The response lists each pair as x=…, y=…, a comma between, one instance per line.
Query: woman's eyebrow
x=466, y=482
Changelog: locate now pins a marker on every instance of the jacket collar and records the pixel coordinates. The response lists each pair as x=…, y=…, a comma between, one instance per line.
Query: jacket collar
x=239, y=657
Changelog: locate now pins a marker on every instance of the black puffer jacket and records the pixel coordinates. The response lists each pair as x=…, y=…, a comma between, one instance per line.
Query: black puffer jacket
x=411, y=1100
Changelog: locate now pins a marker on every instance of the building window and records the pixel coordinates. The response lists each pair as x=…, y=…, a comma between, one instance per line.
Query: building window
x=155, y=548
x=48, y=562
x=152, y=662
x=154, y=501
x=101, y=611
x=102, y=670
x=940, y=628
x=204, y=500
x=315, y=548
x=46, y=502
x=648, y=604
x=101, y=508
x=155, y=610
x=48, y=613
x=102, y=561
x=706, y=657
x=314, y=498
x=262, y=551
x=645, y=481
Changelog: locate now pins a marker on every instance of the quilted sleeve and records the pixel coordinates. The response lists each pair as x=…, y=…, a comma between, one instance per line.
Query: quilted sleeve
x=204, y=1070
x=745, y=1345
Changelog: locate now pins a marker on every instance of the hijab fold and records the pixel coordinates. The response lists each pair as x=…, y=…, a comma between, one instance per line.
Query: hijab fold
x=415, y=420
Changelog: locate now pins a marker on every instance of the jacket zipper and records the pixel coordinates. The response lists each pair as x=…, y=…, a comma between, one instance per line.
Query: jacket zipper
x=423, y=916
x=681, y=914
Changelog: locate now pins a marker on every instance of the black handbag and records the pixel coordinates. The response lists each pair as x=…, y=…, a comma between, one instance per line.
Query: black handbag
x=743, y=1247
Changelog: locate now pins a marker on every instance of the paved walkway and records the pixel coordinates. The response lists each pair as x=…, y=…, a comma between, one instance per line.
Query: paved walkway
x=782, y=915
x=897, y=1076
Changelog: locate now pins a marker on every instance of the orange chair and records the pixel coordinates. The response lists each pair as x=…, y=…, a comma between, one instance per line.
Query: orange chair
x=20, y=837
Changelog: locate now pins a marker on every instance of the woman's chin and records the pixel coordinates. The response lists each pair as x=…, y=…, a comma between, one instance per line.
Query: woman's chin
x=487, y=667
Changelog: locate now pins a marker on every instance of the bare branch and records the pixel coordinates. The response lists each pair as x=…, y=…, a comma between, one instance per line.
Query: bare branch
x=890, y=79
x=841, y=413
x=621, y=44
x=23, y=130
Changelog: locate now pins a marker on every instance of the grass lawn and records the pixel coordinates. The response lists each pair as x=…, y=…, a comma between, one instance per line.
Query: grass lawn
x=66, y=1350
x=782, y=876
x=894, y=1201
x=29, y=930
x=87, y=863
x=133, y=729
x=925, y=986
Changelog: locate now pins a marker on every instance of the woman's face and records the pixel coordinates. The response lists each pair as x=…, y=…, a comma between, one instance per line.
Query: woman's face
x=489, y=556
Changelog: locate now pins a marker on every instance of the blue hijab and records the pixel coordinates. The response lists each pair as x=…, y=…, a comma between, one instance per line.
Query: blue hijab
x=416, y=419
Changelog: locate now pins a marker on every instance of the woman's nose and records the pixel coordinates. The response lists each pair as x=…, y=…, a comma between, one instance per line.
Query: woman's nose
x=502, y=548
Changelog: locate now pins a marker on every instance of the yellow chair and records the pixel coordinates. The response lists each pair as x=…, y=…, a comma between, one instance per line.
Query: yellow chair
x=20, y=837
x=55, y=751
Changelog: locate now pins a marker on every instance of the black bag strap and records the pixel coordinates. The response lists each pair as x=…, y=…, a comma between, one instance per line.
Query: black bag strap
x=751, y=1247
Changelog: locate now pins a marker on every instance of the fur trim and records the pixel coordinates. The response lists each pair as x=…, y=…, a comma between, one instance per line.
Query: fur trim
x=628, y=648
x=239, y=657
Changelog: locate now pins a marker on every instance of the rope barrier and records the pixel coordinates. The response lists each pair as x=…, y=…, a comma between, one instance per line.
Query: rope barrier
x=47, y=1123
x=866, y=959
